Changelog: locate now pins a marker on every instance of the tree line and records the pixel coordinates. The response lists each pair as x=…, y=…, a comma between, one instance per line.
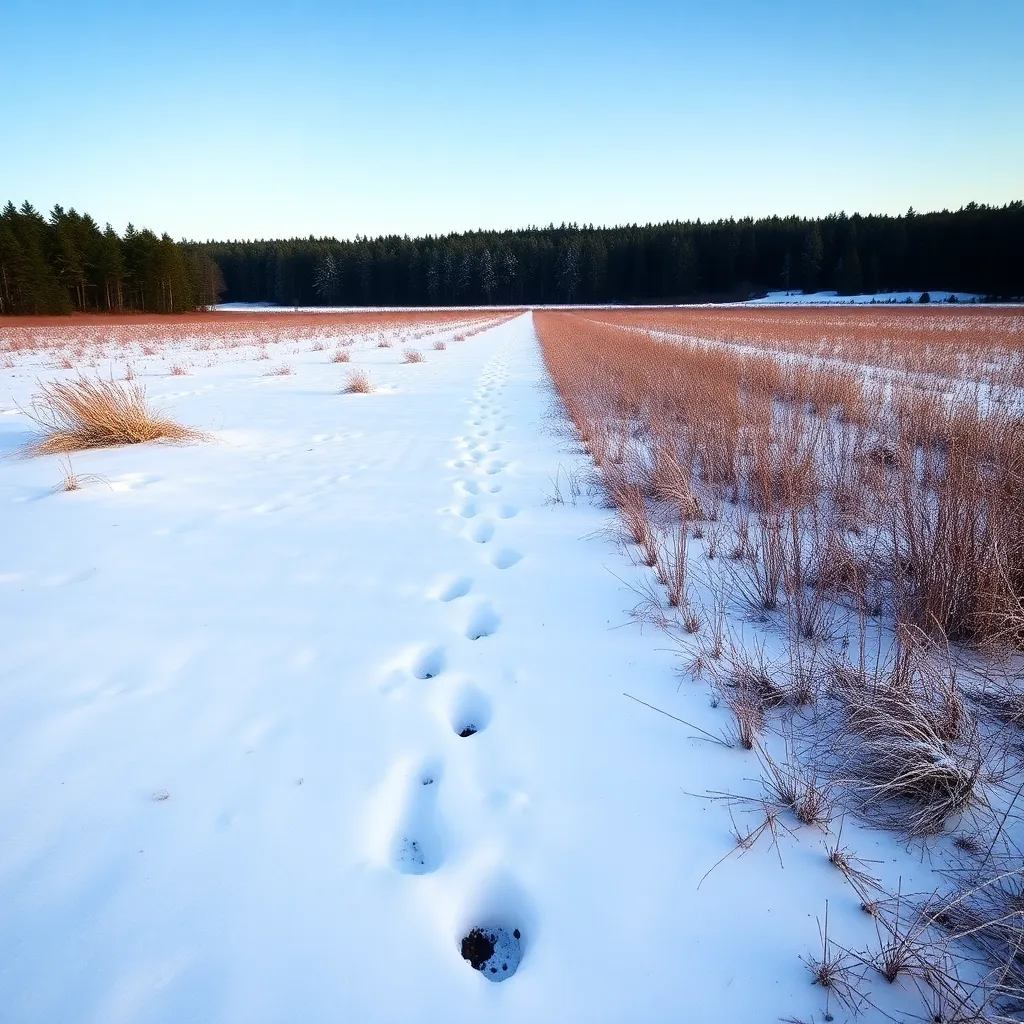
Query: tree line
x=64, y=263
x=975, y=249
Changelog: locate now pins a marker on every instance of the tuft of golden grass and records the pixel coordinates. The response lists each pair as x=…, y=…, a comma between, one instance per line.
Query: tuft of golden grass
x=284, y=370
x=97, y=413
x=358, y=383
x=341, y=356
x=177, y=370
x=439, y=346
x=411, y=355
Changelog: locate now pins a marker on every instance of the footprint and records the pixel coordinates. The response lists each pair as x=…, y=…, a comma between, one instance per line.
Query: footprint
x=468, y=510
x=483, y=622
x=417, y=847
x=492, y=488
x=454, y=589
x=483, y=532
x=494, y=467
x=506, y=558
x=508, y=512
x=470, y=486
x=497, y=929
x=470, y=711
x=429, y=664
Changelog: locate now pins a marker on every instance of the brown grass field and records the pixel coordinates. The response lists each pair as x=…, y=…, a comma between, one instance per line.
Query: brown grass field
x=81, y=335
x=852, y=483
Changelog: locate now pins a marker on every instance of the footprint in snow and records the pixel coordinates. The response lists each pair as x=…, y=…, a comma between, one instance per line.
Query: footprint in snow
x=468, y=510
x=508, y=512
x=483, y=622
x=417, y=847
x=482, y=532
x=502, y=923
x=453, y=589
x=470, y=711
x=505, y=558
x=429, y=663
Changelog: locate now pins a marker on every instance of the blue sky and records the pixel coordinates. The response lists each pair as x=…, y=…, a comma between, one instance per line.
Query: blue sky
x=225, y=119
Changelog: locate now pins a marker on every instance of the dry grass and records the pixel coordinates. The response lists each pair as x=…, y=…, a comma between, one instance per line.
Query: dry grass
x=97, y=413
x=341, y=356
x=411, y=355
x=358, y=383
x=75, y=341
x=911, y=750
x=70, y=481
x=856, y=479
x=284, y=370
x=178, y=370
x=439, y=346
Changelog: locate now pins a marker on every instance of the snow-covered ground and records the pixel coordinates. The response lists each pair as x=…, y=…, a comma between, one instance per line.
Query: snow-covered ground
x=829, y=298
x=233, y=683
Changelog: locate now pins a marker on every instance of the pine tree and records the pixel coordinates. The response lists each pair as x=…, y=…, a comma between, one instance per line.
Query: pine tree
x=850, y=282
x=111, y=268
x=507, y=267
x=464, y=277
x=567, y=271
x=812, y=259
x=488, y=280
x=325, y=278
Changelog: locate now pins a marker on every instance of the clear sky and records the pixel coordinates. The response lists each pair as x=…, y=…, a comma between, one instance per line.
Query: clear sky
x=222, y=119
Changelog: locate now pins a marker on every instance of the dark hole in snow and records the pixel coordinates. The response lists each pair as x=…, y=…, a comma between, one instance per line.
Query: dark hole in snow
x=469, y=730
x=477, y=948
x=495, y=952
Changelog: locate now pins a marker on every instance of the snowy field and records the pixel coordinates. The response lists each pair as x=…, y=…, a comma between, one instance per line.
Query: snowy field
x=874, y=298
x=286, y=714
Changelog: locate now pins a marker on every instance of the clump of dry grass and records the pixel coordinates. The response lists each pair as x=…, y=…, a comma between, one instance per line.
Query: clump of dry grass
x=411, y=355
x=832, y=971
x=97, y=413
x=341, y=356
x=70, y=481
x=284, y=370
x=177, y=370
x=358, y=383
x=439, y=346
x=914, y=750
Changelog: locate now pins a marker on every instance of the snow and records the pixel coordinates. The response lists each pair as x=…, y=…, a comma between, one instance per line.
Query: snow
x=233, y=684
x=829, y=298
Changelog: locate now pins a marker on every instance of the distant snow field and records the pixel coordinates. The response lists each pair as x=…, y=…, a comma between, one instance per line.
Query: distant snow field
x=815, y=298
x=324, y=717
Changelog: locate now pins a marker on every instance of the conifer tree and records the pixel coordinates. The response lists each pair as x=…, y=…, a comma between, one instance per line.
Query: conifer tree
x=488, y=280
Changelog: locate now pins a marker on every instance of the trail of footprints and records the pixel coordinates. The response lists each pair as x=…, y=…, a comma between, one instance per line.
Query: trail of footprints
x=494, y=945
